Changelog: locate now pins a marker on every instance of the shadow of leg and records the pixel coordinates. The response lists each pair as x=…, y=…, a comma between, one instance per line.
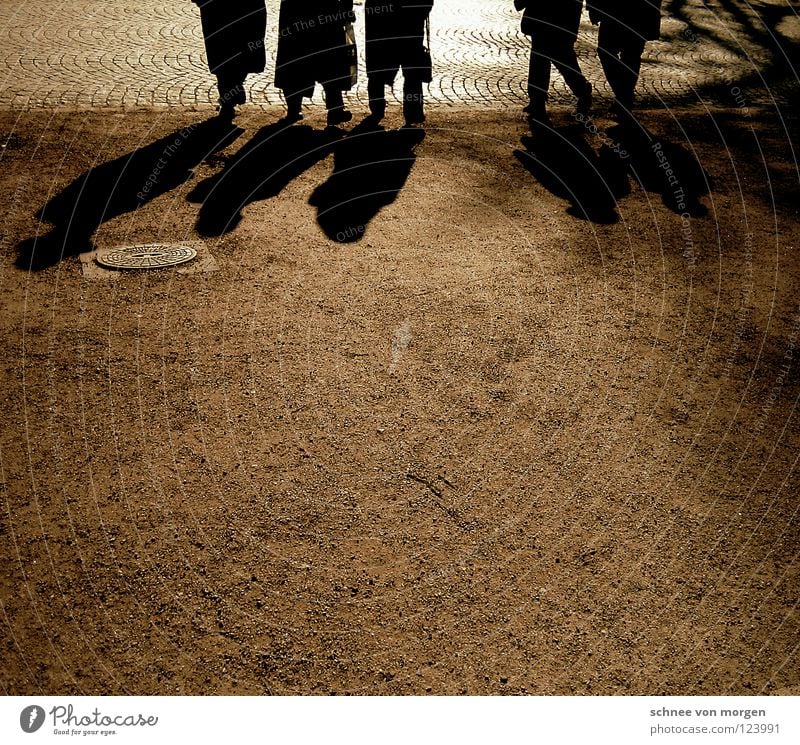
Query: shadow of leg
x=272, y=159
x=665, y=168
x=371, y=167
x=564, y=163
x=119, y=186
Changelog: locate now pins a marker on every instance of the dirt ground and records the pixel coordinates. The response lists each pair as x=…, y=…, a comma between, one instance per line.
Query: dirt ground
x=461, y=422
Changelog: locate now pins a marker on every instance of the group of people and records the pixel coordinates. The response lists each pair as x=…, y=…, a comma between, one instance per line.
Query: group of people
x=624, y=27
x=316, y=45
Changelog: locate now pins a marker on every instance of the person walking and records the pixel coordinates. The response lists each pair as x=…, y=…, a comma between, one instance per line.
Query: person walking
x=625, y=27
x=313, y=47
x=395, y=39
x=234, y=40
x=553, y=28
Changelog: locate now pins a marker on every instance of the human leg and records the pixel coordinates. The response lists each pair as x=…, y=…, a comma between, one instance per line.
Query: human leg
x=231, y=93
x=413, y=101
x=294, y=105
x=334, y=102
x=608, y=50
x=376, y=90
x=538, y=78
x=566, y=62
x=631, y=61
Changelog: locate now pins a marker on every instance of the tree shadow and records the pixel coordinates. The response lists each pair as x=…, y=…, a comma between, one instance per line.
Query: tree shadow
x=563, y=162
x=757, y=24
x=371, y=166
x=119, y=186
x=273, y=158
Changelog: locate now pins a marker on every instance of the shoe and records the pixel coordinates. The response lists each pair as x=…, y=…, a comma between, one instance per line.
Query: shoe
x=536, y=111
x=339, y=116
x=371, y=121
x=619, y=112
x=226, y=112
x=377, y=109
x=539, y=116
x=414, y=114
x=585, y=100
x=540, y=126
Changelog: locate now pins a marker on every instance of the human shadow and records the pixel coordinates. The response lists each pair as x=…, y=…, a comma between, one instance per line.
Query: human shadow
x=658, y=166
x=119, y=186
x=371, y=166
x=563, y=162
x=273, y=158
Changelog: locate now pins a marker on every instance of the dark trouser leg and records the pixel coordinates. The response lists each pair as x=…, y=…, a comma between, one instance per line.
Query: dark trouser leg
x=231, y=90
x=294, y=104
x=631, y=60
x=621, y=58
x=334, y=102
x=608, y=52
x=538, y=78
x=413, y=100
x=376, y=90
x=333, y=98
x=566, y=62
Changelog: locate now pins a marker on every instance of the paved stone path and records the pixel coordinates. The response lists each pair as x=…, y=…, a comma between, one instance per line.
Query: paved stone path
x=81, y=53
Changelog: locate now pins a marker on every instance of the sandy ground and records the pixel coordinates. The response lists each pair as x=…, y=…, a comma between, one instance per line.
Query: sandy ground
x=490, y=446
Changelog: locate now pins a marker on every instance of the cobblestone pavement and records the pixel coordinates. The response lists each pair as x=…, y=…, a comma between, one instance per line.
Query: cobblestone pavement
x=84, y=53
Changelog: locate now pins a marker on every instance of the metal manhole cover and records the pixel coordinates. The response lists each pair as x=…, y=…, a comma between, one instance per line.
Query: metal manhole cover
x=152, y=256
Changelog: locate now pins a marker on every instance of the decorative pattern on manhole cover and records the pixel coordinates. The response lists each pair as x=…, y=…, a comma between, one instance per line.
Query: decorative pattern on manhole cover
x=152, y=256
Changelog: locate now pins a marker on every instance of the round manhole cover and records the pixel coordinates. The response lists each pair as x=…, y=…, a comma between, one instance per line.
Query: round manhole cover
x=152, y=256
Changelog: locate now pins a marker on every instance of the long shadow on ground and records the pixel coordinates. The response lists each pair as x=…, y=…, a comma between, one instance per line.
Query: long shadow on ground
x=262, y=169
x=661, y=167
x=119, y=186
x=371, y=166
x=562, y=160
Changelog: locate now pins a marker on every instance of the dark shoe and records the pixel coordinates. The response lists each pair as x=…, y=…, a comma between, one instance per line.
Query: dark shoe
x=226, y=112
x=585, y=100
x=536, y=111
x=338, y=116
x=539, y=117
x=541, y=126
x=377, y=109
x=620, y=112
x=294, y=107
x=371, y=121
x=414, y=114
